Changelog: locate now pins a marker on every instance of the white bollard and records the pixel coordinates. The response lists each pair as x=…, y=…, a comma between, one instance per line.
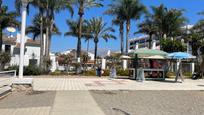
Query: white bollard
x=136, y=46
x=177, y=65
x=103, y=63
x=192, y=67
x=124, y=64
x=154, y=44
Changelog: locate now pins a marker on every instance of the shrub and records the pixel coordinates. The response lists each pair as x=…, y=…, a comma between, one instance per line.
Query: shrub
x=106, y=72
x=15, y=67
x=57, y=72
x=4, y=59
x=121, y=72
x=187, y=74
x=32, y=70
x=90, y=73
x=170, y=74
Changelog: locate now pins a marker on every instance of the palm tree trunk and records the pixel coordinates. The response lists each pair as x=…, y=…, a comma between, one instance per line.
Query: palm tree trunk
x=121, y=37
x=80, y=13
x=46, y=41
x=88, y=46
x=95, y=52
x=1, y=39
x=50, y=37
x=41, y=42
x=127, y=35
x=150, y=41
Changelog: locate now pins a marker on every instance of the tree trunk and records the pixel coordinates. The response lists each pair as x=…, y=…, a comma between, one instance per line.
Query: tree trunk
x=80, y=13
x=46, y=41
x=95, y=52
x=127, y=35
x=1, y=39
x=150, y=41
x=50, y=37
x=121, y=37
x=41, y=42
x=88, y=46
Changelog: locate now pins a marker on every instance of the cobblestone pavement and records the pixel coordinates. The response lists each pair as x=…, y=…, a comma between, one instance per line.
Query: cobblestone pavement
x=150, y=102
x=61, y=84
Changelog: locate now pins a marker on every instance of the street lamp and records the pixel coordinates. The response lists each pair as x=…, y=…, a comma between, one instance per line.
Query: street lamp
x=22, y=41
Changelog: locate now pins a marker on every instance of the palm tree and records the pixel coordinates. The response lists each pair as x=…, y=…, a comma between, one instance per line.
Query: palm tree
x=35, y=28
x=82, y=5
x=119, y=21
x=74, y=30
x=46, y=8
x=6, y=19
x=131, y=9
x=168, y=22
x=98, y=29
x=148, y=27
x=52, y=7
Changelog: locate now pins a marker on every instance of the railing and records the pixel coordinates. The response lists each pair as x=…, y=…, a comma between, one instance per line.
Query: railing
x=6, y=79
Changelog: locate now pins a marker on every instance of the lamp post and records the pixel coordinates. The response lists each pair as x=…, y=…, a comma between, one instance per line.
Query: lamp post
x=22, y=40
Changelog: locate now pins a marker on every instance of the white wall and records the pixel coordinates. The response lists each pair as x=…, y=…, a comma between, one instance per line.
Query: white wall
x=28, y=55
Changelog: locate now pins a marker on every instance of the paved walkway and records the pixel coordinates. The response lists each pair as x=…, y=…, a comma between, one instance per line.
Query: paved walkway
x=65, y=84
x=71, y=96
x=75, y=103
x=50, y=103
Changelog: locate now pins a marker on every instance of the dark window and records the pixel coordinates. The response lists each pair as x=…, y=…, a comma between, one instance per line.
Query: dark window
x=7, y=48
x=33, y=62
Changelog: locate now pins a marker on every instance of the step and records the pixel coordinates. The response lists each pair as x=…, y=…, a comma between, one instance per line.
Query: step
x=4, y=90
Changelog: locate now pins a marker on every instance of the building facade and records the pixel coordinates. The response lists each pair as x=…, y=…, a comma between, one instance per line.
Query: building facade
x=142, y=42
x=12, y=46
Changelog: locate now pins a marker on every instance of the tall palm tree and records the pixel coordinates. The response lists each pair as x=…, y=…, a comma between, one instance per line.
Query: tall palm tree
x=131, y=9
x=41, y=5
x=52, y=7
x=82, y=5
x=6, y=19
x=35, y=28
x=116, y=11
x=46, y=8
x=168, y=21
x=98, y=29
x=74, y=30
x=148, y=27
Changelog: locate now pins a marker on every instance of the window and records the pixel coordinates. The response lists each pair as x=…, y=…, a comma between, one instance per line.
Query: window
x=8, y=48
x=33, y=62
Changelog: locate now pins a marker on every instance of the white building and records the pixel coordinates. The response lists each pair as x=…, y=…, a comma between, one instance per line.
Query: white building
x=90, y=63
x=142, y=41
x=32, y=50
x=91, y=55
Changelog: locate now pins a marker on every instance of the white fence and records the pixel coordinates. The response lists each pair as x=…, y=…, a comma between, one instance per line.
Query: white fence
x=6, y=79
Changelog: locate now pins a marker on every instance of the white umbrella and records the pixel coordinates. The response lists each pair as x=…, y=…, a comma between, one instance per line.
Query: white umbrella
x=125, y=57
x=155, y=57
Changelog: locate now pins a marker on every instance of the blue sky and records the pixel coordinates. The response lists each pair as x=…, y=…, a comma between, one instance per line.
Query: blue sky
x=61, y=43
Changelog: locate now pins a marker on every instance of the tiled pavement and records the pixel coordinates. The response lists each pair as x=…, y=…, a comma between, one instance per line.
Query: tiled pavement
x=63, y=84
x=70, y=96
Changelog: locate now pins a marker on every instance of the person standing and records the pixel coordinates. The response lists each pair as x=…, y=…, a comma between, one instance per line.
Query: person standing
x=99, y=71
x=179, y=72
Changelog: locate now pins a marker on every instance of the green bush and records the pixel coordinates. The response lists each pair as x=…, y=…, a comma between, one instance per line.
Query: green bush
x=57, y=72
x=121, y=72
x=15, y=67
x=90, y=73
x=187, y=74
x=170, y=74
x=106, y=72
x=4, y=59
x=32, y=70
